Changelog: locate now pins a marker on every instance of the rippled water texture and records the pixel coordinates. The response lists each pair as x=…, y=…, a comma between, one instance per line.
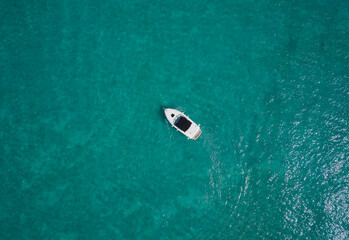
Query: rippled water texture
x=86, y=152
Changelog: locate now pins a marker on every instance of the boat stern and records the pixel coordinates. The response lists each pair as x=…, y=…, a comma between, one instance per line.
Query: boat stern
x=197, y=135
x=194, y=131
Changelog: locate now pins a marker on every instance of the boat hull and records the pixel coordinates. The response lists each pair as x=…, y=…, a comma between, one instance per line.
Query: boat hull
x=183, y=123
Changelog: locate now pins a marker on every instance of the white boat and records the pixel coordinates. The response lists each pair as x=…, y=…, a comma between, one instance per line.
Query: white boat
x=183, y=123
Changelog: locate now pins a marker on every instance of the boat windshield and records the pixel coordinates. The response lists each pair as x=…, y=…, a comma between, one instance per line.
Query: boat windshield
x=182, y=123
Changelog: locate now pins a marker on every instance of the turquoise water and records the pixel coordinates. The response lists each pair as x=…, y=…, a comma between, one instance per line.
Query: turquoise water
x=86, y=152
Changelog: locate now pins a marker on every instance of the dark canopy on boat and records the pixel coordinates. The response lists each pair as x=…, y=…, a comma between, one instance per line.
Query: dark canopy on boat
x=182, y=123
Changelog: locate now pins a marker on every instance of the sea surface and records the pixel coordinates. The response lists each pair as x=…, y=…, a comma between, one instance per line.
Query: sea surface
x=86, y=151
